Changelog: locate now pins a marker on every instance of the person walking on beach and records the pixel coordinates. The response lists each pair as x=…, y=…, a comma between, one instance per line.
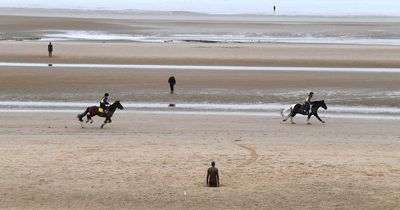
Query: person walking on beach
x=104, y=104
x=172, y=83
x=50, y=49
x=274, y=9
x=212, y=176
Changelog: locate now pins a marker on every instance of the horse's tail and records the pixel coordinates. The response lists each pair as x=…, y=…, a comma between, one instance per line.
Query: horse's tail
x=287, y=111
x=83, y=114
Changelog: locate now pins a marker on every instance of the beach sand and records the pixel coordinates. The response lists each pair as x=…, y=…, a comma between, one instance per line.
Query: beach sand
x=144, y=160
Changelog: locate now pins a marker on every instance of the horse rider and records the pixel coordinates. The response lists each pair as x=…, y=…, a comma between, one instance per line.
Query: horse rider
x=104, y=104
x=307, y=102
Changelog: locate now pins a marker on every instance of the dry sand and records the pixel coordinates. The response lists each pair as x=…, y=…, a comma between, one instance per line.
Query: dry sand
x=146, y=162
x=149, y=161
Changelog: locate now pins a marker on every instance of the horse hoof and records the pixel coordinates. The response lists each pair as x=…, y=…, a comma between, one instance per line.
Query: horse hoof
x=323, y=121
x=308, y=123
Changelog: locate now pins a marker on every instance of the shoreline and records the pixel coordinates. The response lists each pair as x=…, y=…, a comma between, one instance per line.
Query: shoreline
x=64, y=12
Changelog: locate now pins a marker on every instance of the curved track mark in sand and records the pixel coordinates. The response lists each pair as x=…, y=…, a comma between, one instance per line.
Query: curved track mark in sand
x=253, y=155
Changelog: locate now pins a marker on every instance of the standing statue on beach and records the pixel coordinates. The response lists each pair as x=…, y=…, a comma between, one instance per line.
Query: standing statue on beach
x=309, y=108
x=212, y=176
x=99, y=111
x=172, y=83
x=50, y=49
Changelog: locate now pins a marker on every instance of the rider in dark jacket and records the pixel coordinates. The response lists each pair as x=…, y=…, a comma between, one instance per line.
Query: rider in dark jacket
x=104, y=104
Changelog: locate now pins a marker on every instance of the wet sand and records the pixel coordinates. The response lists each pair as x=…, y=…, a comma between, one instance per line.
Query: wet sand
x=313, y=55
x=229, y=87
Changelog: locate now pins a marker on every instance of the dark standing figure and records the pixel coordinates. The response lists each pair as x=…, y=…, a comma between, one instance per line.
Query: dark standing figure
x=212, y=176
x=172, y=83
x=50, y=49
x=104, y=104
x=274, y=9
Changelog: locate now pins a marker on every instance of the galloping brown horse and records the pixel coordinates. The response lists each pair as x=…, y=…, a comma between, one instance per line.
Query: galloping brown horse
x=94, y=111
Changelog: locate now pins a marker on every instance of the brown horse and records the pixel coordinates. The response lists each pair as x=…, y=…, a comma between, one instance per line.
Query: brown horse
x=94, y=111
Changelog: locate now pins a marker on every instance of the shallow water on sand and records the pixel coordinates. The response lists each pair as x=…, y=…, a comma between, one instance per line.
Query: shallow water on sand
x=211, y=68
x=209, y=38
x=273, y=109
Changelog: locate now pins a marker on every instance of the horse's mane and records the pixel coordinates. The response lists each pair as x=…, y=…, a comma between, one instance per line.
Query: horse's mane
x=318, y=102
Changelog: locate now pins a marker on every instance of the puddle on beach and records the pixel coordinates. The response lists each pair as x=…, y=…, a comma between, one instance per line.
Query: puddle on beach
x=273, y=109
x=210, y=68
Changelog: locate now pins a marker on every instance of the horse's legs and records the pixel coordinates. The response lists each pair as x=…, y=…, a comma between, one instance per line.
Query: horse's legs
x=316, y=115
x=291, y=118
x=308, y=118
x=105, y=122
x=89, y=118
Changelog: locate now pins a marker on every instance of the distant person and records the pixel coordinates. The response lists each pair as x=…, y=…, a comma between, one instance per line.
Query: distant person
x=307, y=102
x=50, y=49
x=104, y=104
x=212, y=176
x=274, y=9
x=172, y=83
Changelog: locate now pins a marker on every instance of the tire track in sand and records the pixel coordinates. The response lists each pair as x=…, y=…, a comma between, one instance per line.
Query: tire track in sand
x=253, y=155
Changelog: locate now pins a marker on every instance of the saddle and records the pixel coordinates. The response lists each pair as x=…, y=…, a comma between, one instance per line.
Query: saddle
x=103, y=113
x=306, y=107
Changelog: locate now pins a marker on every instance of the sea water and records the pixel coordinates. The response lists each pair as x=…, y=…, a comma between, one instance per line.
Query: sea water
x=283, y=7
x=181, y=38
x=250, y=7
